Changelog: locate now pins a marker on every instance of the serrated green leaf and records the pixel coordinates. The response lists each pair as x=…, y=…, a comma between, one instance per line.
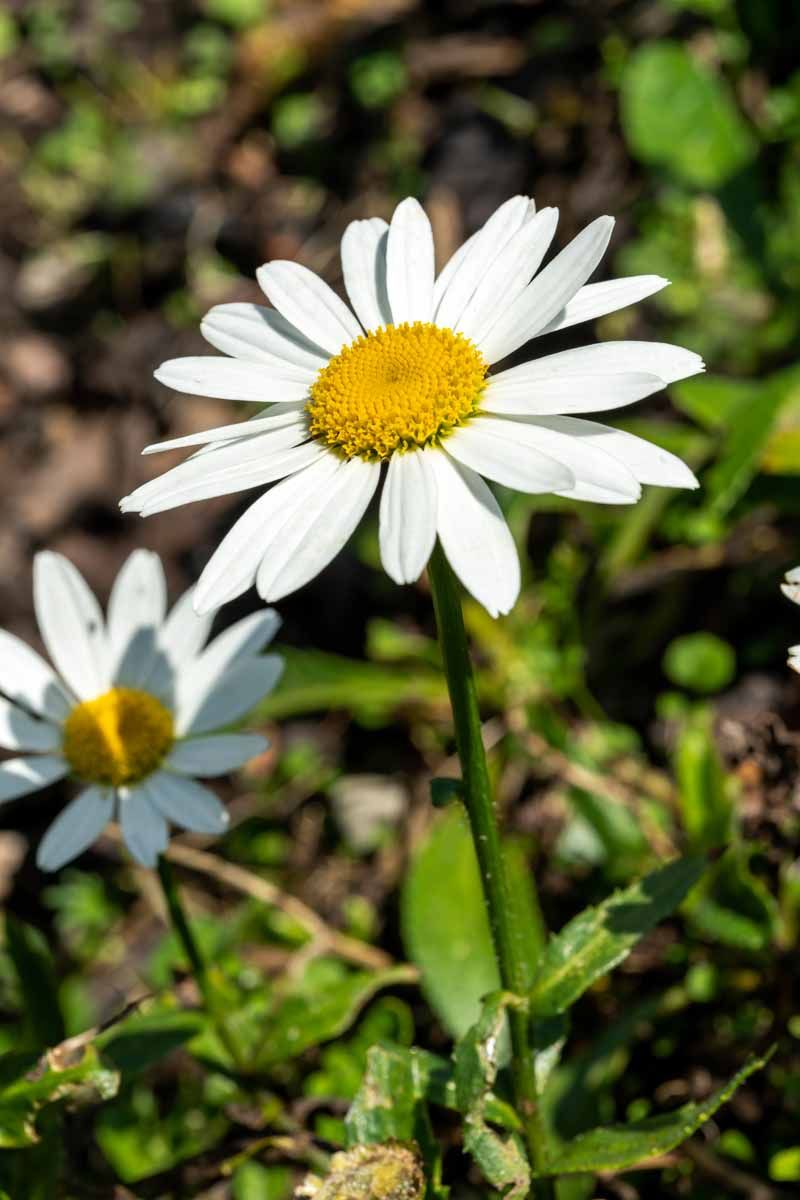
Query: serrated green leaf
x=619, y=1147
x=677, y=114
x=33, y=964
x=601, y=937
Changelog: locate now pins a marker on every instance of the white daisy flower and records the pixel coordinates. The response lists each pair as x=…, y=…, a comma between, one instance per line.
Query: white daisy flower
x=403, y=380
x=130, y=707
x=791, y=589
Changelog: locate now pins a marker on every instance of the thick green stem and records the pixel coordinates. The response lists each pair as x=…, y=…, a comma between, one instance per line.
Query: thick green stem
x=180, y=924
x=508, y=936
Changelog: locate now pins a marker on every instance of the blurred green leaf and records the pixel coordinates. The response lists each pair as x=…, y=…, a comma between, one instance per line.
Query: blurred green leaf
x=701, y=662
x=618, y=1147
x=678, y=115
x=251, y=1181
x=35, y=970
x=22, y=1099
x=733, y=906
x=601, y=937
x=705, y=794
x=135, y=1044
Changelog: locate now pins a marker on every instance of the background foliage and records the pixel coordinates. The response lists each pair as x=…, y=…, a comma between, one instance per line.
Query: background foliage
x=637, y=700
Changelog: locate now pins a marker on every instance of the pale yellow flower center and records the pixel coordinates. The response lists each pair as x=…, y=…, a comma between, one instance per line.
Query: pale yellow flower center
x=117, y=738
x=396, y=388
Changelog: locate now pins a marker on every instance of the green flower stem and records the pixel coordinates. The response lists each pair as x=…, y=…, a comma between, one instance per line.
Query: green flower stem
x=208, y=991
x=507, y=933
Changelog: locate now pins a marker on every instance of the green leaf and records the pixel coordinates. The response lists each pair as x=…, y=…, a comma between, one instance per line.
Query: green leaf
x=251, y=1181
x=732, y=906
x=678, y=114
x=33, y=964
x=601, y=937
x=501, y=1158
x=619, y=1147
x=313, y=1016
x=84, y=1082
x=706, y=795
x=139, y=1042
x=314, y=681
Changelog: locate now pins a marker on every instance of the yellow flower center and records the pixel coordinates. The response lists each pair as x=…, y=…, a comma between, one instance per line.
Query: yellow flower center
x=117, y=738
x=395, y=388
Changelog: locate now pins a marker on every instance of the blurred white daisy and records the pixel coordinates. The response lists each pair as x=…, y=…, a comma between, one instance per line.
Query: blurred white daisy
x=402, y=380
x=130, y=709
x=791, y=588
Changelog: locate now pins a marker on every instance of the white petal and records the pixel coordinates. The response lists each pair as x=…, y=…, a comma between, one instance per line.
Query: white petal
x=507, y=454
x=19, y=776
x=647, y=462
x=235, y=693
x=598, y=475
x=258, y=334
x=408, y=516
x=231, y=379
x=245, y=638
x=184, y=632
x=572, y=393
x=188, y=804
x=314, y=528
x=208, y=478
x=445, y=276
x=27, y=679
x=793, y=576
x=410, y=263
x=607, y=358
x=469, y=266
x=597, y=299
x=20, y=731
x=278, y=417
x=508, y=275
x=143, y=827
x=309, y=304
x=364, y=269
x=71, y=624
x=547, y=294
x=475, y=537
x=232, y=568
x=74, y=829
x=791, y=591
x=209, y=756
x=136, y=611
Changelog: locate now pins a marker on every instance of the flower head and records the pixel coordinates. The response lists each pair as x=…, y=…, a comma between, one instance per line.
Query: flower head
x=129, y=707
x=791, y=589
x=403, y=385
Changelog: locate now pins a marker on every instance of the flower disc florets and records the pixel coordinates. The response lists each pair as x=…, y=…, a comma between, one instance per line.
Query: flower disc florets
x=398, y=387
x=117, y=738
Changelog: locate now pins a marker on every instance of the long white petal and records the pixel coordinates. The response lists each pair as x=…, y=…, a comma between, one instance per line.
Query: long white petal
x=470, y=266
x=445, y=276
x=549, y=291
x=590, y=465
x=232, y=568
x=136, y=611
x=475, y=536
x=27, y=679
x=597, y=299
x=408, y=516
x=309, y=304
x=509, y=274
x=209, y=479
x=20, y=731
x=197, y=679
x=499, y=451
x=71, y=624
x=606, y=358
x=231, y=379
x=648, y=462
x=74, y=829
x=410, y=263
x=280, y=416
x=570, y=394
x=179, y=640
x=143, y=827
x=215, y=755
x=314, y=528
x=255, y=333
x=19, y=776
x=364, y=269
x=235, y=693
x=188, y=804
